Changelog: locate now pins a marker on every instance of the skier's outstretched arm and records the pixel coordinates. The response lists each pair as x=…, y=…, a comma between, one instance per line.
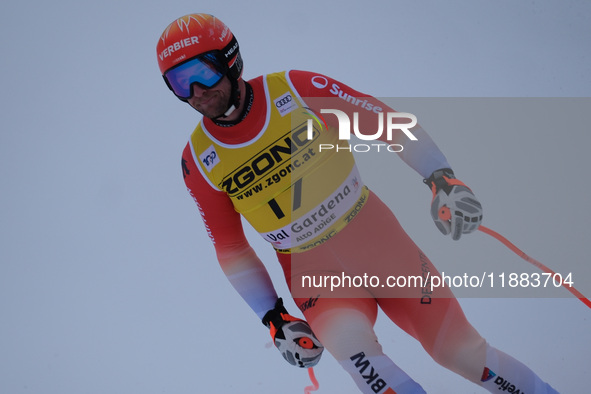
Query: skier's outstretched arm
x=246, y=272
x=454, y=208
x=239, y=262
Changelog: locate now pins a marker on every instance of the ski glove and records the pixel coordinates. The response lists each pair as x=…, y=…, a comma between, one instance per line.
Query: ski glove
x=454, y=207
x=293, y=337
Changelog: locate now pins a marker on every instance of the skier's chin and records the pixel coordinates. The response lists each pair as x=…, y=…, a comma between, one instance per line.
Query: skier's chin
x=209, y=110
x=208, y=113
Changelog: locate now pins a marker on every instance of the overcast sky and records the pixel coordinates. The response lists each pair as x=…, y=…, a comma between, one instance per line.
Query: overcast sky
x=108, y=281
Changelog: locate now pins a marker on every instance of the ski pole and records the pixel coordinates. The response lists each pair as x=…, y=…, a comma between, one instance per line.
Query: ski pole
x=445, y=214
x=315, y=384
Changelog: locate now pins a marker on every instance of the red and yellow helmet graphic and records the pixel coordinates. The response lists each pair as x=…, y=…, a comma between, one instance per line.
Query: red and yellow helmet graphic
x=192, y=35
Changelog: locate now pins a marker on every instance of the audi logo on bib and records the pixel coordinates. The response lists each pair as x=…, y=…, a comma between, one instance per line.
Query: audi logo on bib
x=283, y=101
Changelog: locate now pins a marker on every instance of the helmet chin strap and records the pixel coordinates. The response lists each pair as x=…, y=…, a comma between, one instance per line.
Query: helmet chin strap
x=229, y=111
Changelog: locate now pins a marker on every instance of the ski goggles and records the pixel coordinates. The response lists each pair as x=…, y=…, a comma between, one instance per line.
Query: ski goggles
x=206, y=70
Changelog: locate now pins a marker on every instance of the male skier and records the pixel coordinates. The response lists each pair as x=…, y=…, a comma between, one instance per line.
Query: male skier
x=257, y=154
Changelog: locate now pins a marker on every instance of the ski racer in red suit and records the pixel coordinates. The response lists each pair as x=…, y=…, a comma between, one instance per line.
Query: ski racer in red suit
x=258, y=154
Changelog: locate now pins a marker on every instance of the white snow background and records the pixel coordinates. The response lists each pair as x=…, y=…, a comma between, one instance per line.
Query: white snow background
x=108, y=281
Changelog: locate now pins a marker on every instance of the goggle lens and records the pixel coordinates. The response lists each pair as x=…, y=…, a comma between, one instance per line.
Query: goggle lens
x=204, y=70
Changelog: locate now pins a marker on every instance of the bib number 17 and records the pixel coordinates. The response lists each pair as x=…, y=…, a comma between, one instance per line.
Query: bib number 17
x=296, y=200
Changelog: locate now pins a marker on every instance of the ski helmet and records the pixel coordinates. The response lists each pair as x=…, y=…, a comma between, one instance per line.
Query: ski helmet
x=204, y=50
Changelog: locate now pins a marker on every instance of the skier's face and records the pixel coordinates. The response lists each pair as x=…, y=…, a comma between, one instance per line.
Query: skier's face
x=211, y=102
